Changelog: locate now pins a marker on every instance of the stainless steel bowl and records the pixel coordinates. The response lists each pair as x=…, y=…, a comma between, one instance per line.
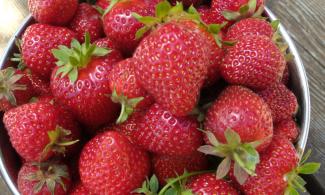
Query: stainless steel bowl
x=10, y=163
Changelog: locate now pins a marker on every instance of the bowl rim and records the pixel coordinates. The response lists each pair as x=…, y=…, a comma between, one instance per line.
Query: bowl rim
x=303, y=82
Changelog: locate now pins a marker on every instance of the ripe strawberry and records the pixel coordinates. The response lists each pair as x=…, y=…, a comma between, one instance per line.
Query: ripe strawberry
x=281, y=100
x=210, y=16
x=287, y=128
x=103, y=3
x=105, y=43
x=243, y=111
x=83, y=84
x=239, y=124
x=110, y=164
x=126, y=89
x=166, y=167
x=56, y=12
x=16, y=88
x=286, y=76
x=167, y=80
x=87, y=19
x=80, y=189
x=39, y=130
x=209, y=184
x=43, y=179
x=255, y=61
x=37, y=42
x=120, y=26
x=40, y=86
x=163, y=133
x=187, y=3
x=249, y=26
x=231, y=10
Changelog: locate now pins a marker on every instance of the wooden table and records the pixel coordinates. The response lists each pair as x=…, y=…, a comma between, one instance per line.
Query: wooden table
x=304, y=19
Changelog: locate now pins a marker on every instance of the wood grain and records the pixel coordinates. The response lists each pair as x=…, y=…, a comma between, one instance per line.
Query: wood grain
x=304, y=19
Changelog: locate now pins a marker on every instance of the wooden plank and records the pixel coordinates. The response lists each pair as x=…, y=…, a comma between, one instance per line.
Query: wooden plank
x=305, y=22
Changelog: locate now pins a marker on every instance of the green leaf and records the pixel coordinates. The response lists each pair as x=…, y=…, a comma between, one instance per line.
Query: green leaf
x=171, y=191
x=61, y=55
x=212, y=138
x=139, y=34
x=73, y=75
x=308, y=168
x=290, y=191
x=99, y=51
x=177, y=9
x=162, y=9
x=305, y=157
x=110, y=7
x=251, y=6
x=232, y=137
x=75, y=44
x=223, y=168
x=243, y=9
x=230, y=15
x=154, y=184
x=275, y=24
x=240, y=174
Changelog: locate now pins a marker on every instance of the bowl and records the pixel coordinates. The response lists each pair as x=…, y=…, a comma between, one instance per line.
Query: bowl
x=10, y=162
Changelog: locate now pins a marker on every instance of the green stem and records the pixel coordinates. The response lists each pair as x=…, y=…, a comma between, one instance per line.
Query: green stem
x=120, y=118
x=169, y=184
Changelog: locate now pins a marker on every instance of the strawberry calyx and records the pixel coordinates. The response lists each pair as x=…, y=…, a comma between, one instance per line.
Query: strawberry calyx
x=279, y=41
x=110, y=7
x=244, y=155
x=165, y=13
x=149, y=187
x=246, y=10
x=76, y=57
x=295, y=182
x=8, y=84
x=128, y=105
x=18, y=56
x=49, y=174
x=58, y=141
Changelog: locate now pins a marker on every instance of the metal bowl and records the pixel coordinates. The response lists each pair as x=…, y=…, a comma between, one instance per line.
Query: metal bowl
x=10, y=162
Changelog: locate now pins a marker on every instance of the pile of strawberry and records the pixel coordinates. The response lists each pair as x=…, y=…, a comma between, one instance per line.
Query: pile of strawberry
x=106, y=96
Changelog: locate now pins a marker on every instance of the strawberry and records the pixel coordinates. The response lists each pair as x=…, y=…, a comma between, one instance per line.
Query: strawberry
x=105, y=43
x=286, y=76
x=87, y=19
x=166, y=166
x=40, y=86
x=255, y=61
x=188, y=3
x=126, y=89
x=83, y=84
x=238, y=124
x=287, y=128
x=210, y=16
x=110, y=164
x=16, y=88
x=278, y=171
x=43, y=179
x=120, y=26
x=231, y=10
x=249, y=26
x=80, y=189
x=56, y=12
x=103, y=3
x=209, y=184
x=167, y=80
x=281, y=100
x=39, y=130
x=164, y=133
x=38, y=40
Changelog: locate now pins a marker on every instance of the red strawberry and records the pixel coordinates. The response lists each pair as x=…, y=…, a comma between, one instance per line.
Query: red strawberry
x=166, y=167
x=164, y=54
x=83, y=84
x=43, y=179
x=239, y=124
x=230, y=10
x=281, y=100
x=37, y=42
x=56, y=12
x=255, y=61
x=243, y=111
x=80, y=189
x=287, y=128
x=163, y=133
x=120, y=26
x=87, y=19
x=187, y=3
x=40, y=86
x=209, y=184
x=286, y=76
x=110, y=164
x=16, y=88
x=127, y=90
x=105, y=43
x=273, y=173
x=38, y=130
x=103, y=3
x=249, y=26
x=210, y=16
